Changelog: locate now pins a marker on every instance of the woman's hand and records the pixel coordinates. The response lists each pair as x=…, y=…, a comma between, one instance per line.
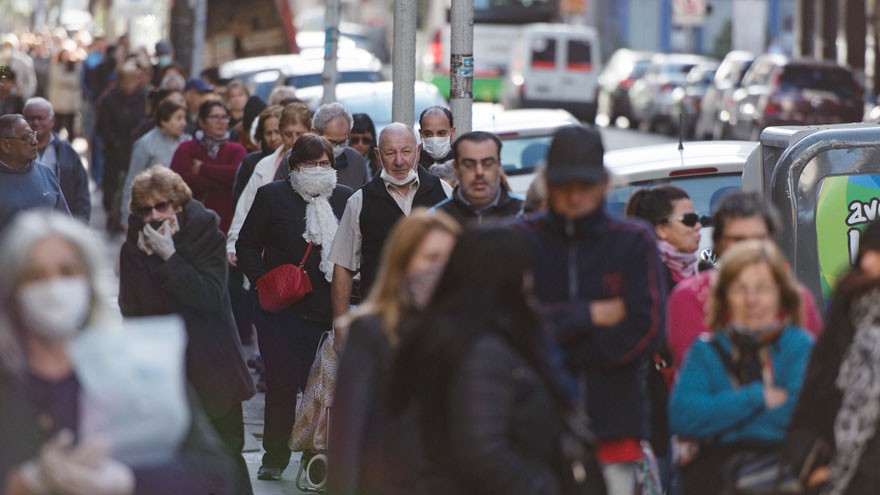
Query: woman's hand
x=817, y=477
x=161, y=244
x=774, y=397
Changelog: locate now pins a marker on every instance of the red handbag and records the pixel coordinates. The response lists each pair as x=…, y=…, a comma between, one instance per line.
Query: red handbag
x=284, y=285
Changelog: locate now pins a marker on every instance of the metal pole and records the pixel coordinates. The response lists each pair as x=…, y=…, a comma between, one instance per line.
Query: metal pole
x=819, y=30
x=201, y=18
x=332, y=12
x=840, y=41
x=403, y=61
x=870, y=47
x=461, y=64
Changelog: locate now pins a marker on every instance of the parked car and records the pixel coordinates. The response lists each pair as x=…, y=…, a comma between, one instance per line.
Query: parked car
x=651, y=96
x=687, y=99
x=373, y=99
x=623, y=69
x=525, y=136
x=778, y=91
x=706, y=170
x=554, y=66
x=728, y=79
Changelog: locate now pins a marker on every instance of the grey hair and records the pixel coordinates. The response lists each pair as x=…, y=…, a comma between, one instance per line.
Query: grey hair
x=281, y=93
x=396, y=126
x=39, y=100
x=7, y=124
x=328, y=112
x=18, y=240
x=173, y=81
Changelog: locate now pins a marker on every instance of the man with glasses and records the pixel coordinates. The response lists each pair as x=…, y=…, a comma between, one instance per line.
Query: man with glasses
x=480, y=192
x=334, y=122
x=739, y=216
x=60, y=157
x=24, y=183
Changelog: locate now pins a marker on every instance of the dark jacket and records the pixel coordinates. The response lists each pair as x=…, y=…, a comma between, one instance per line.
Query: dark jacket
x=379, y=214
x=244, y=173
x=509, y=205
x=589, y=259
x=118, y=116
x=503, y=431
x=426, y=160
x=201, y=465
x=351, y=170
x=371, y=451
x=73, y=178
x=272, y=235
x=191, y=283
x=812, y=423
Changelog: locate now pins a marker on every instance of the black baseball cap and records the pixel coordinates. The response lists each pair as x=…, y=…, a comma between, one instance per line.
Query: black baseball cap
x=576, y=154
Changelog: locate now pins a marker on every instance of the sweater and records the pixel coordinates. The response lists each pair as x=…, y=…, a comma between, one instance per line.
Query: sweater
x=153, y=148
x=35, y=186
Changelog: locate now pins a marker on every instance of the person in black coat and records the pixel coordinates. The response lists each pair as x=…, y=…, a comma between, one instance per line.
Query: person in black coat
x=173, y=261
x=371, y=451
x=477, y=366
x=306, y=206
x=832, y=440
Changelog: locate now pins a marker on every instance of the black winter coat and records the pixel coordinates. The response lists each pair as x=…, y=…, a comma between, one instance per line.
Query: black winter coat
x=118, y=116
x=73, y=178
x=509, y=206
x=502, y=436
x=191, y=283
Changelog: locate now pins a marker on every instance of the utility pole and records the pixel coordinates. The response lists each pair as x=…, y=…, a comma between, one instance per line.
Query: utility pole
x=332, y=12
x=403, y=62
x=461, y=65
x=200, y=8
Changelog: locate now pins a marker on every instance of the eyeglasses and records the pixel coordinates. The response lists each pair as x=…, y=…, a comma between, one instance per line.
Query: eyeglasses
x=360, y=139
x=27, y=137
x=688, y=219
x=344, y=142
x=161, y=207
x=315, y=163
x=740, y=238
x=218, y=118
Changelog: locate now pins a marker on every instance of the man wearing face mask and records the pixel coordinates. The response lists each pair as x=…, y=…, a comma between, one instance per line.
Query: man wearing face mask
x=164, y=58
x=480, y=192
x=372, y=211
x=333, y=121
x=437, y=133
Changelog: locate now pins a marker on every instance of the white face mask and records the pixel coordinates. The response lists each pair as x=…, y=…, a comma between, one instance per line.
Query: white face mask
x=438, y=147
x=410, y=176
x=55, y=309
x=338, y=150
x=313, y=182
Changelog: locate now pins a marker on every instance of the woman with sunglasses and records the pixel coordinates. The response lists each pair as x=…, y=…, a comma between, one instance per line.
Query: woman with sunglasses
x=292, y=221
x=173, y=261
x=363, y=139
x=209, y=161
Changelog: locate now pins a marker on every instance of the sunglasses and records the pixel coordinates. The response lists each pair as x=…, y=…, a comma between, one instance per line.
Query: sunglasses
x=688, y=219
x=161, y=207
x=361, y=139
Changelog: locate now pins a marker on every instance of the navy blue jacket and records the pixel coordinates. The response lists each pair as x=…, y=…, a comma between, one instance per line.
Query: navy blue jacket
x=73, y=178
x=589, y=259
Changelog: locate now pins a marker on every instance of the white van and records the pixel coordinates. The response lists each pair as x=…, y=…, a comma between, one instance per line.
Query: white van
x=554, y=66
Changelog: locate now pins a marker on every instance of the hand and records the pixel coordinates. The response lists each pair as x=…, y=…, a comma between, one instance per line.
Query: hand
x=774, y=397
x=161, y=244
x=232, y=258
x=817, y=477
x=197, y=165
x=607, y=312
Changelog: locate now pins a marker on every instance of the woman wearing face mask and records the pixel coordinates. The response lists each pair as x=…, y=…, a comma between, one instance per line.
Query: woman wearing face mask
x=156, y=147
x=173, y=262
x=369, y=450
x=295, y=121
x=51, y=298
x=287, y=219
x=208, y=162
x=363, y=139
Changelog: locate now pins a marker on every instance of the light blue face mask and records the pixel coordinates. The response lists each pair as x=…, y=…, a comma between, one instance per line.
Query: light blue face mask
x=164, y=60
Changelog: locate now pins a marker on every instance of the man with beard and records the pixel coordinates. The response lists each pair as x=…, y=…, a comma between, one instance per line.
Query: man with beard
x=480, y=192
x=24, y=183
x=372, y=211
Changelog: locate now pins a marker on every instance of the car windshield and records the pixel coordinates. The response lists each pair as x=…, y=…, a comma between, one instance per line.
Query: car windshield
x=829, y=80
x=704, y=191
x=520, y=155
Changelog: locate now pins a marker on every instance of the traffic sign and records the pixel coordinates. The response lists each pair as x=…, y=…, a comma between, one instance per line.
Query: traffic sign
x=688, y=12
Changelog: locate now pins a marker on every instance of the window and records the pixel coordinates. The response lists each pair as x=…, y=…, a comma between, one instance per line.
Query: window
x=544, y=53
x=579, y=55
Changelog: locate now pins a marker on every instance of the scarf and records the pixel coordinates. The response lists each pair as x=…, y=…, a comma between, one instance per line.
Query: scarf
x=859, y=381
x=315, y=185
x=682, y=265
x=211, y=144
x=749, y=355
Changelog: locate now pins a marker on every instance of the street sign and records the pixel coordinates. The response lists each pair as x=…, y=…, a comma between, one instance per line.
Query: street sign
x=688, y=12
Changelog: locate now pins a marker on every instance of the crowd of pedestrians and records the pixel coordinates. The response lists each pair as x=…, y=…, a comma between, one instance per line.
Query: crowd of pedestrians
x=487, y=343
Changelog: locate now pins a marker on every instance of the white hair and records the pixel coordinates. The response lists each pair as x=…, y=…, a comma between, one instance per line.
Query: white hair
x=328, y=112
x=18, y=240
x=39, y=100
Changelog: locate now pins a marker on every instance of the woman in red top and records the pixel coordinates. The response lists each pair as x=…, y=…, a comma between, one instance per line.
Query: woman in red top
x=208, y=162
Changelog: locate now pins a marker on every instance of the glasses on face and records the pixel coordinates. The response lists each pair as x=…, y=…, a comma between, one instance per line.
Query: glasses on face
x=688, y=219
x=27, y=137
x=160, y=207
x=315, y=163
x=218, y=118
x=366, y=140
x=344, y=142
x=740, y=238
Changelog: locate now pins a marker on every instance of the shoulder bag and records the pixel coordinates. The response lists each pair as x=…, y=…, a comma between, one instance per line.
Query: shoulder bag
x=284, y=285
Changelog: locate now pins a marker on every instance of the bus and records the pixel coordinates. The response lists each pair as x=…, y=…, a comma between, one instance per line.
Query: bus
x=497, y=24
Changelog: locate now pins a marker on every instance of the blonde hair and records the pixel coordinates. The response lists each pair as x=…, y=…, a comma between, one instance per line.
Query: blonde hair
x=295, y=113
x=387, y=298
x=733, y=262
x=161, y=180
